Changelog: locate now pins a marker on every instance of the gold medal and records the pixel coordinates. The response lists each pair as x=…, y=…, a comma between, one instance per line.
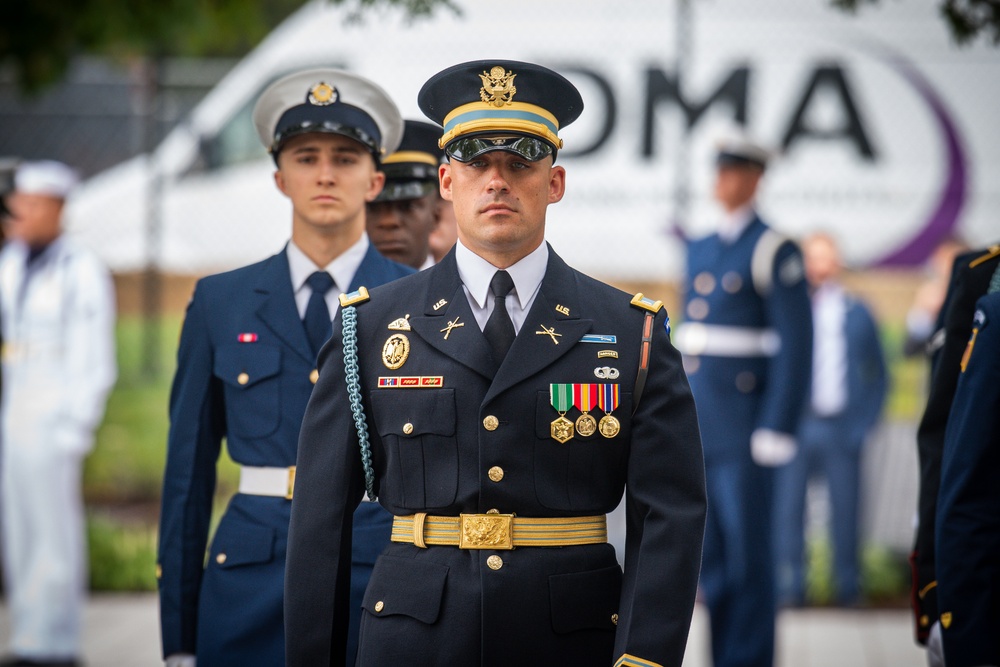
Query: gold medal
x=586, y=425
x=609, y=426
x=561, y=429
x=395, y=351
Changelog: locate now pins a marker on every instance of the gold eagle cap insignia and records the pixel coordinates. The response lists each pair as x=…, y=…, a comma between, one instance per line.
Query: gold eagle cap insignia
x=498, y=87
x=322, y=94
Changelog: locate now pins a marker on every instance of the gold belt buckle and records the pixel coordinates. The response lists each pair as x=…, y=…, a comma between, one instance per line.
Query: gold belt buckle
x=486, y=531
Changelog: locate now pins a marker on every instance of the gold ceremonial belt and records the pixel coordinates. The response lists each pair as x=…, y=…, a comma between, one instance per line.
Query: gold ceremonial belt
x=498, y=531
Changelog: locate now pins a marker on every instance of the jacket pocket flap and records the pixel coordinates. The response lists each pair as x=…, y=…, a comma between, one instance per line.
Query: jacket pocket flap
x=402, y=586
x=241, y=543
x=246, y=365
x=409, y=413
x=585, y=600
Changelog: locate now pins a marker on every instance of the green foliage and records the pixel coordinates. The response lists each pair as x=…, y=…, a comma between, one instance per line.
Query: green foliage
x=884, y=575
x=966, y=19
x=41, y=36
x=122, y=555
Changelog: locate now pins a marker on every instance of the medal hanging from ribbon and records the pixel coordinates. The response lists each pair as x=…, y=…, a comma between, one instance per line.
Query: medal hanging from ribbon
x=585, y=400
x=561, y=397
x=608, y=401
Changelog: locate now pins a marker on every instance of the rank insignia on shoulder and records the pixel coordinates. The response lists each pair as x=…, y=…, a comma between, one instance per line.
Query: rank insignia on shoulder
x=400, y=324
x=644, y=302
x=360, y=296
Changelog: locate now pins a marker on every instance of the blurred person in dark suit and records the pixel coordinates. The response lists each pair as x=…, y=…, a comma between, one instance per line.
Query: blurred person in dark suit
x=246, y=367
x=408, y=210
x=968, y=513
x=971, y=278
x=57, y=308
x=747, y=345
x=848, y=390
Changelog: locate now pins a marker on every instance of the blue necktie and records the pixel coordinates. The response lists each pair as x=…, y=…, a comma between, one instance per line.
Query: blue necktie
x=499, y=330
x=317, y=319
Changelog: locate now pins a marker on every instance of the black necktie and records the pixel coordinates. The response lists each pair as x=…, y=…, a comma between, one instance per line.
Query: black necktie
x=317, y=319
x=499, y=330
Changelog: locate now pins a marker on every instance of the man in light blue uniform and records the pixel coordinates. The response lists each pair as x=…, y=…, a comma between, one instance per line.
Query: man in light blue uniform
x=747, y=341
x=246, y=368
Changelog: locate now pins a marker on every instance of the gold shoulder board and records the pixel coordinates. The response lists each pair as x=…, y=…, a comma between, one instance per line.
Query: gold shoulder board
x=354, y=298
x=991, y=252
x=640, y=301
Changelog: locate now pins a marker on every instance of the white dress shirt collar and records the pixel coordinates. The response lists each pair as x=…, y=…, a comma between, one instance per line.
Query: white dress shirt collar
x=734, y=222
x=342, y=268
x=476, y=274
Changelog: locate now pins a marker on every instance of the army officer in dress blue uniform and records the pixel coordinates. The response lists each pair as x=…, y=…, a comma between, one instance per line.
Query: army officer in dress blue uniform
x=747, y=342
x=247, y=365
x=968, y=516
x=499, y=403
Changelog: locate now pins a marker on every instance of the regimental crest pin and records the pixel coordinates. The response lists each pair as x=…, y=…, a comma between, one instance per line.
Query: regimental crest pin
x=498, y=87
x=395, y=351
x=322, y=94
x=400, y=324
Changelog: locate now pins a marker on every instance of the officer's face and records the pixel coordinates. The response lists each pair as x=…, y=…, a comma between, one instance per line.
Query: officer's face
x=822, y=260
x=34, y=219
x=400, y=229
x=329, y=179
x=735, y=185
x=500, y=201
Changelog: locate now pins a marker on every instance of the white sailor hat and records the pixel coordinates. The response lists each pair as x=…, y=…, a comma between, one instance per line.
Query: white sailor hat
x=332, y=101
x=735, y=148
x=45, y=177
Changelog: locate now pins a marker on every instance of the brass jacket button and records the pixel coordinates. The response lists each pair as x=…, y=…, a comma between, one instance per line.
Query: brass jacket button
x=314, y=376
x=494, y=562
x=379, y=606
x=242, y=378
x=220, y=559
x=496, y=473
x=614, y=619
x=407, y=428
x=491, y=423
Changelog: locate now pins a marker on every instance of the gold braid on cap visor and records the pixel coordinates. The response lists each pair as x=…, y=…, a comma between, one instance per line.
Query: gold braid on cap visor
x=519, y=117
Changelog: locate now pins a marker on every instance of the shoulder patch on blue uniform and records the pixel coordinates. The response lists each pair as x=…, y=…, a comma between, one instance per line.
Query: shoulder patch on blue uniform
x=359, y=296
x=640, y=301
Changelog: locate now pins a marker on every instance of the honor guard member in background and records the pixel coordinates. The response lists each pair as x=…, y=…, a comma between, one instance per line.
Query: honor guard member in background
x=747, y=341
x=970, y=280
x=247, y=365
x=848, y=390
x=408, y=209
x=57, y=306
x=499, y=464
x=968, y=515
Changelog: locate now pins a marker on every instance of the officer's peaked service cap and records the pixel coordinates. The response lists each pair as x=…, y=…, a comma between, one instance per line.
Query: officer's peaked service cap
x=45, y=177
x=737, y=149
x=412, y=171
x=329, y=101
x=487, y=105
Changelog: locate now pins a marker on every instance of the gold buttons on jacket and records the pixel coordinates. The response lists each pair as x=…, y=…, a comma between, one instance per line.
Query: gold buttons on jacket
x=407, y=428
x=242, y=378
x=220, y=559
x=159, y=571
x=379, y=606
x=614, y=619
x=314, y=376
x=496, y=473
x=494, y=562
x=491, y=423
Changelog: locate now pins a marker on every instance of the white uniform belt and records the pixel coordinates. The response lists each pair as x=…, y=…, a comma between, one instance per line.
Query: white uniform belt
x=695, y=338
x=259, y=481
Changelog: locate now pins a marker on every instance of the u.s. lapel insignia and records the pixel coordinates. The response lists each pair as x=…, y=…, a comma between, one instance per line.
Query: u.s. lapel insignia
x=550, y=332
x=439, y=304
x=562, y=310
x=401, y=324
x=395, y=351
x=454, y=324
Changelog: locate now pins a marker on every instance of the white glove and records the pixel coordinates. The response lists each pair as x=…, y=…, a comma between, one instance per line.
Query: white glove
x=935, y=647
x=180, y=660
x=770, y=448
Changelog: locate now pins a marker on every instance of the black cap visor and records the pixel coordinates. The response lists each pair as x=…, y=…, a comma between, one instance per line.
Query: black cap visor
x=401, y=190
x=466, y=149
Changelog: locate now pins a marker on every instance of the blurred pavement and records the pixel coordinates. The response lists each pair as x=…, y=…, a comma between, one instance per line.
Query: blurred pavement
x=121, y=631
